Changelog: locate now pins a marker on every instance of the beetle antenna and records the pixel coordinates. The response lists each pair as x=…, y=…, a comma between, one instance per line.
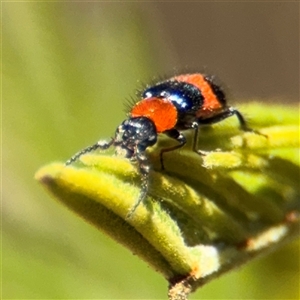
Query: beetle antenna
x=142, y=196
x=103, y=145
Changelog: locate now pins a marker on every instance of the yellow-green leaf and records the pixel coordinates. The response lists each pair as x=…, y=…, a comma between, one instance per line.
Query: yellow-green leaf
x=204, y=214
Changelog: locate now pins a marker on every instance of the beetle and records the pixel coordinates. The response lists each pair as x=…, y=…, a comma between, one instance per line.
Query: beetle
x=169, y=107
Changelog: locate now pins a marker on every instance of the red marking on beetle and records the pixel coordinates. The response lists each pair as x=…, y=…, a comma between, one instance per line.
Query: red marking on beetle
x=211, y=103
x=161, y=111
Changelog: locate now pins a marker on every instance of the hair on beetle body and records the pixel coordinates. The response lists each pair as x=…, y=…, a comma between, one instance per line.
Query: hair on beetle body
x=169, y=107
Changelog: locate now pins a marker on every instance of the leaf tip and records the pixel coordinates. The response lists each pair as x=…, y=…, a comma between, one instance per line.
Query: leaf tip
x=46, y=174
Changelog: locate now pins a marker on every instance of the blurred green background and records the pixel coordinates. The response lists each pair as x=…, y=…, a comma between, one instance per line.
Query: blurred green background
x=67, y=69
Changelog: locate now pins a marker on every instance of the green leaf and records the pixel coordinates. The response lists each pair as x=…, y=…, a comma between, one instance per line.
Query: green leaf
x=204, y=215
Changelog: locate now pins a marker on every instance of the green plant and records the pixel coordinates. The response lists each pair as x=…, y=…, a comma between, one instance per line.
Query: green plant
x=204, y=215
